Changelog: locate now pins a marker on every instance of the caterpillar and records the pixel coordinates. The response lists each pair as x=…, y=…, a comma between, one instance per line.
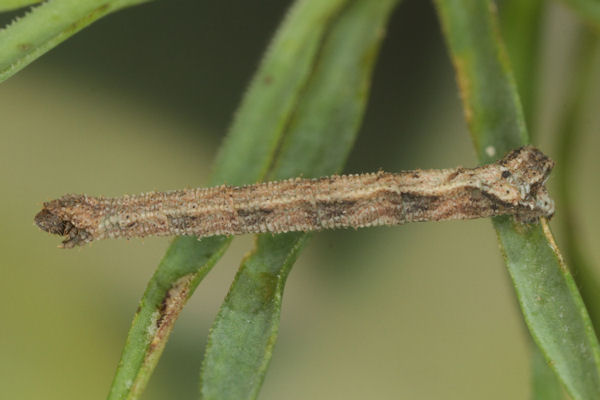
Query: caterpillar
x=514, y=185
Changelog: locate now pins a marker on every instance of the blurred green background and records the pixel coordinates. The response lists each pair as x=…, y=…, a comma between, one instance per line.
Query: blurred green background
x=140, y=101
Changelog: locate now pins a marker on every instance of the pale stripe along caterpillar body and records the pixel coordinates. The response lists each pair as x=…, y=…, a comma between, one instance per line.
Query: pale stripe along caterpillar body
x=513, y=185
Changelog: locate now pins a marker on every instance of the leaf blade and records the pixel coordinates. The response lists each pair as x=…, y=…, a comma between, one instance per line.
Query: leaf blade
x=187, y=255
x=185, y=264
x=318, y=141
x=521, y=28
x=521, y=22
x=46, y=26
x=549, y=300
x=544, y=382
x=8, y=5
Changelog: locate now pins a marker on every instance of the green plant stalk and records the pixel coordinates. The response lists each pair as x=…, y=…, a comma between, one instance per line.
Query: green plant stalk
x=318, y=141
x=588, y=10
x=520, y=22
x=566, y=177
x=7, y=5
x=552, y=307
x=258, y=124
x=47, y=25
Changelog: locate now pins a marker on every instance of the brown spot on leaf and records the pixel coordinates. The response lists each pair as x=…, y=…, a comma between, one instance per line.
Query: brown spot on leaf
x=464, y=85
x=169, y=310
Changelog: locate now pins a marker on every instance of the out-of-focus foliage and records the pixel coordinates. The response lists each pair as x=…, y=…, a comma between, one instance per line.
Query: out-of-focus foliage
x=46, y=26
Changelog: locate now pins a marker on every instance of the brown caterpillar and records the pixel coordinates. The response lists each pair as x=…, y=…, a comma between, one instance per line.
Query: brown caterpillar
x=513, y=185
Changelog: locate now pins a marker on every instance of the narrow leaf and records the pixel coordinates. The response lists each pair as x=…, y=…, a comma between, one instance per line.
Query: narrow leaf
x=265, y=110
x=185, y=264
x=244, y=333
x=520, y=21
x=47, y=25
x=549, y=300
x=317, y=143
x=7, y=5
x=544, y=383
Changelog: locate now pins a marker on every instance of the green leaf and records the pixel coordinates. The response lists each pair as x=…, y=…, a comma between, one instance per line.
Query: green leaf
x=47, y=25
x=250, y=147
x=7, y=5
x=491, y=104
x=185, y=264
x=317, y=143
x=549, y=300
x=520, y=21
x=588, y=10
x=544, y=383
x=244, y=333
x=259, y=124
